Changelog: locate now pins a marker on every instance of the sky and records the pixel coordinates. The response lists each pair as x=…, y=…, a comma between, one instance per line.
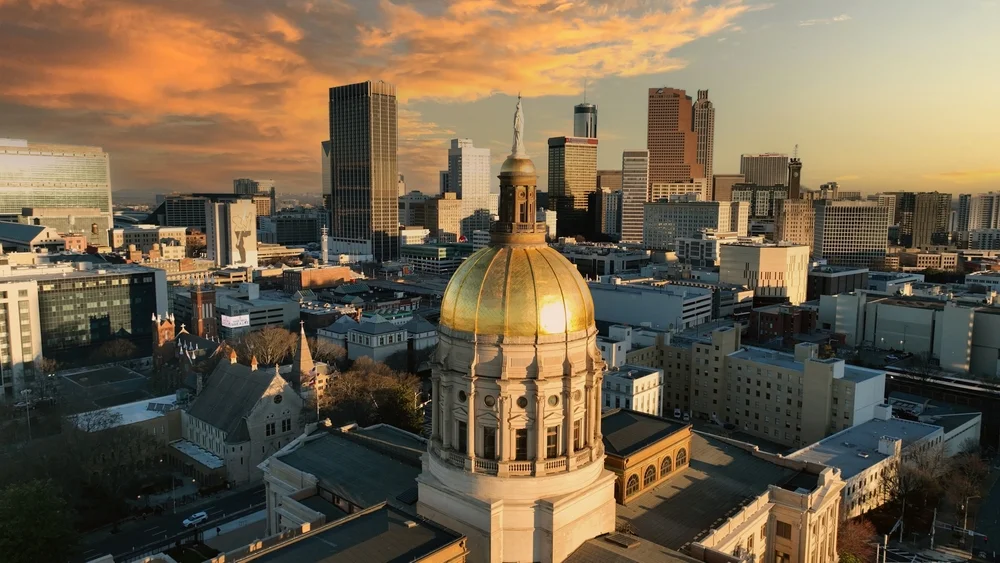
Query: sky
x=188, y=94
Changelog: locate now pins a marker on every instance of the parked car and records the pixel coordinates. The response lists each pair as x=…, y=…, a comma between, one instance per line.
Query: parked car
x=195, y=519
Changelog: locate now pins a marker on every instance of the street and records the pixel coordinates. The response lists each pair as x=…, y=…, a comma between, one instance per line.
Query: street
x=136, y=534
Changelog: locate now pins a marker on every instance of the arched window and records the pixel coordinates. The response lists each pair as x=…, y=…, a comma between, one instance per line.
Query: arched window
x=682, y=457
x=649, y=476
x=667, y=466
x=633, y=486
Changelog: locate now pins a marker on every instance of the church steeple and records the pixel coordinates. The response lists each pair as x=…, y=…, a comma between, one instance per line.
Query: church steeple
x=302, y=363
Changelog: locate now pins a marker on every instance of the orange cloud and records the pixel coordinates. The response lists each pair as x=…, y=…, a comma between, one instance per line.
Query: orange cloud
x=189, y=94
x=966, y=176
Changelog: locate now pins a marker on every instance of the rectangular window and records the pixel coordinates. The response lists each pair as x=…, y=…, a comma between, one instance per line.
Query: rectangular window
x=521, y=444
x=783, y=530
x=286, y=425
x=552, y=442
x=269, y=429
x=463, y=437
x=489, y=442
x=578, y=434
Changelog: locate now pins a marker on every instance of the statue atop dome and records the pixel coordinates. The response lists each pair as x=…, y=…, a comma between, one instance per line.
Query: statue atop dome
x=517, y=150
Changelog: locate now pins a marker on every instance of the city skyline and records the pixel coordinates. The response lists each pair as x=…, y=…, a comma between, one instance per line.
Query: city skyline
x=188, y=97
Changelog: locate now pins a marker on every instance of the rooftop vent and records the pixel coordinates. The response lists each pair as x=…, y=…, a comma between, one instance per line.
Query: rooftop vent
x=622, y=540
x=863, y=454
x=410, y=524
x=848, y=445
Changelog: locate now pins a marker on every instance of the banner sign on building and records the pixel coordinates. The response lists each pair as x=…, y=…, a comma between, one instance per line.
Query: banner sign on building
x=237, y=321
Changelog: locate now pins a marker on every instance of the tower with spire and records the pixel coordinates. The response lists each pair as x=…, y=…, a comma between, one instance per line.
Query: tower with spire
x=303, y=367
x=516, y=457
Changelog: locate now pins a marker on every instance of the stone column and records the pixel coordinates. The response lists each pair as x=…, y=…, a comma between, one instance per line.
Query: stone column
x=588, y=421
x=435, y=403
x=568, y=418
x=540, y=430
x=470, y=427
x=502, y=438
x=444, y=412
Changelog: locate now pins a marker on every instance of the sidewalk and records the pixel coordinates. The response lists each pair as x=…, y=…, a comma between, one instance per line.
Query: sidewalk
x=238, y=533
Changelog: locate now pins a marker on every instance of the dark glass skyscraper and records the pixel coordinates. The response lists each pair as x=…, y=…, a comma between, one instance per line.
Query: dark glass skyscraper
x=585, y=120
x=363, y=197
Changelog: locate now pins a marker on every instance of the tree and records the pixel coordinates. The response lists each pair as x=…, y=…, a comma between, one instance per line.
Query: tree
x=35, y=523
x=328, y=352
x=371, y=393
x=271, y=345
x=115, y=350
x=855, y=540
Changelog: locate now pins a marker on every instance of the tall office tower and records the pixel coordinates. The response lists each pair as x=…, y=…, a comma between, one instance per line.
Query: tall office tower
x=606, y=207
x=795, y=222
x=978, y=211
x=364, y=176
x=888, y=200
x=704, y=126
x=443, y=217
x=469, y=179
x=231, y=233
x=794, y=178
x=611, y=179
x=698, y=188
x=326, y=179
x=50, y=177
x=768, y=169
x=930, y=219
x=247, y=186
x=412, y=208
x=585, y=120
x=444, y=179
x=763, y=200
x=722, y=185
x=670, y=137
x=635, y=193
x=665, y=222
x=851, y=233
x=572, y=178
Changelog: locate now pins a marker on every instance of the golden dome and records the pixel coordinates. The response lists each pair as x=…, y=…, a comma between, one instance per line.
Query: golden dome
x=517, y=291
x=518, y=165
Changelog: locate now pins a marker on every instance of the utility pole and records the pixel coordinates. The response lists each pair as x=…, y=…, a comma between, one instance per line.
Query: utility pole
x=933, y=527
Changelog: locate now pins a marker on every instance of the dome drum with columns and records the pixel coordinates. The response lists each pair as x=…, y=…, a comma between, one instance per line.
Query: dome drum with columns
x=516, y=386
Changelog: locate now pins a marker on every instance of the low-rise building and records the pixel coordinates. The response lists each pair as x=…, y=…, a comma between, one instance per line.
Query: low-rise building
x=317, y=277
x=144, y=237
x=15, y=237
x=891, y=282
x=781, y=322
x=677, y=307
x=866, y=453
x=594, y=260
x=702, y=249
x=776, y=272
x=239, y=310
x=436, y=259
x=643, y=451
x=634, y=387
x=832, y=280
x=990, y=280
x=380, y=339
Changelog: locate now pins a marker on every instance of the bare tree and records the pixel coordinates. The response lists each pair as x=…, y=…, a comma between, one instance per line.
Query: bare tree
x=856, y=540
x=115, y=350
x=328, y=352
x=372, y=392
x=271, y=345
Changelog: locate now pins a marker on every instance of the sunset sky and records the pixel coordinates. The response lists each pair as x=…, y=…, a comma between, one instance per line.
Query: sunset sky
x=189, y=94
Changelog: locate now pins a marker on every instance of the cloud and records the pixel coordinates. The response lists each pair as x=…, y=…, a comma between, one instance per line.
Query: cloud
x=825, y=21
x=966, y=176
x=189, y=94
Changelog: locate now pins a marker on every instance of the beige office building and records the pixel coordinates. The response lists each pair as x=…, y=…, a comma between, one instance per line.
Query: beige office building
x=851, y=233
x=443, y=217
x=572, y=178
x=795, y=222
x=664, y=190
x=704, y=127
x=773, y=271
x=671, y=138
x=20, y=339
x=722, y=186
x=635, y=193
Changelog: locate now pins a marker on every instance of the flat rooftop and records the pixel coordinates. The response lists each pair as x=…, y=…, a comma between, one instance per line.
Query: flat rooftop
x=856, y=449
x=626, y=432
x=629, y=371
x=719, y=481
x=383, y=534
x=362, y=475
x=787, y=361
x=611, y=548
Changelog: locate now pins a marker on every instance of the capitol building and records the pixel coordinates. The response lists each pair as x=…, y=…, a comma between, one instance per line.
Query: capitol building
x=516, y=457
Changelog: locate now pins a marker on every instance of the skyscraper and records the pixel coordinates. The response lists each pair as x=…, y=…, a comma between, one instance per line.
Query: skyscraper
x=364, y=175
x=50, y=177
x=635, y=193
x=611, y=179
x=722, y=185
x=247, y=186
x=930, y=218
x=572, y=178
x=670, y=137
x=851, y=233
x=978, y=211
x=231, y=232
x=326, y=190
x=585, y=120
x=469, y=179
x=704, y=126
x=795, y=221
x=768, y=169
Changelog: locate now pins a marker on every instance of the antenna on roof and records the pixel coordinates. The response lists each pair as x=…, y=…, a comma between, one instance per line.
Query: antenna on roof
x=795, y=153
x=584, y=90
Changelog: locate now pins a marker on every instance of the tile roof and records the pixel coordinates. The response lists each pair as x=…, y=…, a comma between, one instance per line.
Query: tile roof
x=231, y=391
